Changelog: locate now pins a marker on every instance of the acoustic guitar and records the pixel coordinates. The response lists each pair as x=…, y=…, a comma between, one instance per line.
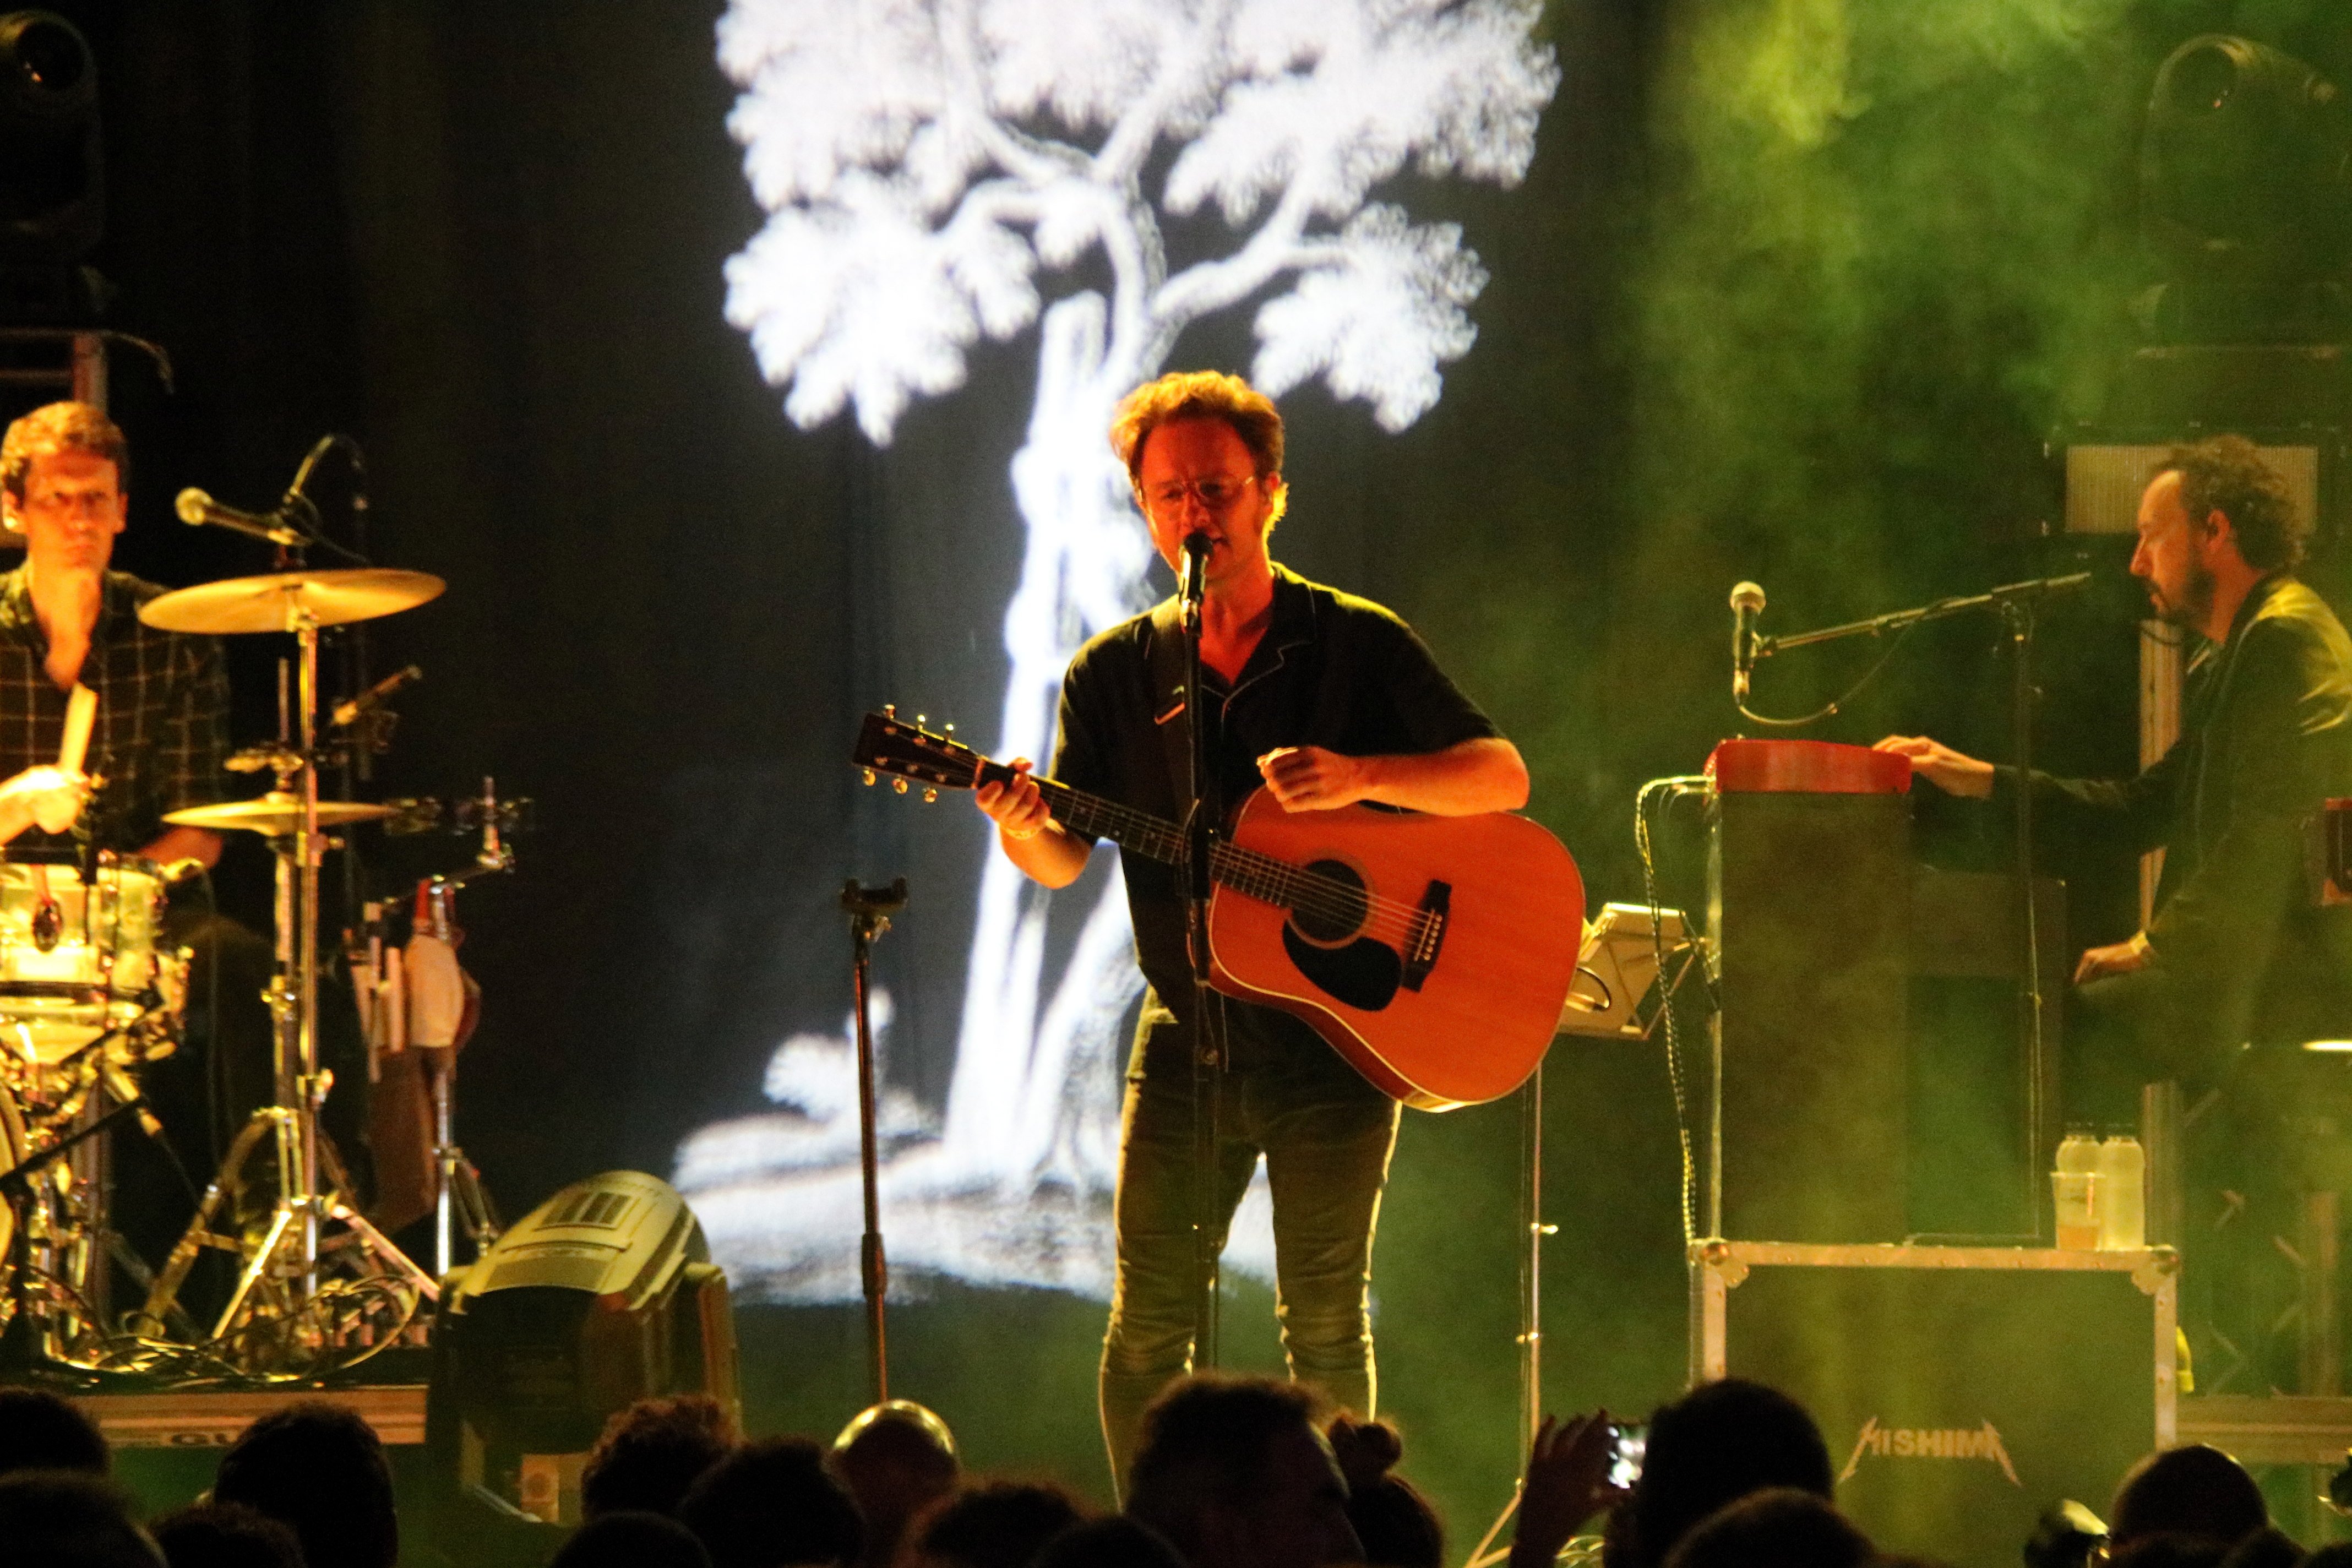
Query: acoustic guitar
x=1434, y=952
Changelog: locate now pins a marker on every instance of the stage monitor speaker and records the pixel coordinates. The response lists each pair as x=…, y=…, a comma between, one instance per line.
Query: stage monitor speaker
x=1961, y=1390
x=603, y=1295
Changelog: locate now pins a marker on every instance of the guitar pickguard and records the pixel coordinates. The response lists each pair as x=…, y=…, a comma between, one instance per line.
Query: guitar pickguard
x=1362, y=974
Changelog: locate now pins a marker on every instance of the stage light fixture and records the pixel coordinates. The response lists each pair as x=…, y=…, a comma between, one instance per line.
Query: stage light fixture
x=52, y=180
x=603, y=1295
x=2246, y=190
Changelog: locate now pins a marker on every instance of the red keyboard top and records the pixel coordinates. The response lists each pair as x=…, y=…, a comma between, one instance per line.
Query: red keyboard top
x=1806, y=767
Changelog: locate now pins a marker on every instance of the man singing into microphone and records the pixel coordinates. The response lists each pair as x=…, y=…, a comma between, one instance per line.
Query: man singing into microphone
x=1324, y=700
x=2236, y=947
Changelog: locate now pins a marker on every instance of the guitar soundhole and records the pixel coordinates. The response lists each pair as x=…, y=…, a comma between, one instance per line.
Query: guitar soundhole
x=1339, y=910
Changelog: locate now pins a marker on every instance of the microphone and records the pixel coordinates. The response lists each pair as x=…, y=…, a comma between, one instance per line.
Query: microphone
x=1746, y=603
x=373, y=697
x=1191, y=578
x=2071, y=583
x=197, y=510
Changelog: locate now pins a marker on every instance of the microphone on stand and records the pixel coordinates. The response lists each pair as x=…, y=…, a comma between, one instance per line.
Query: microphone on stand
x=1746, y=603
x=1191, y=578
x=198, y=509
x=373, y=697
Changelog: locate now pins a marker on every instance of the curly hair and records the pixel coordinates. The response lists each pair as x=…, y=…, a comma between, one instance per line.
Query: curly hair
x=1202, y=395
x=62, y=427
x=650, y=1453
x=2226, y=474
x=1198, y=395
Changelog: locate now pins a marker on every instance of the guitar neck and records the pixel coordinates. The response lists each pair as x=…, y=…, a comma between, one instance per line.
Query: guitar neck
x=1139, y=832
x=1156, y=837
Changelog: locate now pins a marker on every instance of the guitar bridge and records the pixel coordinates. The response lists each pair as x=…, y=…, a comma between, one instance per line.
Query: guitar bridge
x=1428, y=935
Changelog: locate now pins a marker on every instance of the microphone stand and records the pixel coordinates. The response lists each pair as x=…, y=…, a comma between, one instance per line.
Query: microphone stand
x=1200, y=834
x=2015, y=603
x=1999, y=599
x=870, y=909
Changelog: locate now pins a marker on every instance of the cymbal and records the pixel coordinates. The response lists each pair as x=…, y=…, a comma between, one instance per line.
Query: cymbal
x=274, y=602
x=276, y=812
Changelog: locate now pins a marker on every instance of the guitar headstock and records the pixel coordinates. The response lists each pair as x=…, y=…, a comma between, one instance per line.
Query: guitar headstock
x=887, y=744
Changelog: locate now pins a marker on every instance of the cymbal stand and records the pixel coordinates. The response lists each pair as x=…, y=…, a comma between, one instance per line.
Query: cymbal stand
x=289, y=1246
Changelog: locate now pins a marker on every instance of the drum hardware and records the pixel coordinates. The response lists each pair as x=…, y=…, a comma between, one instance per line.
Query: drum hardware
x=413, y=815
x=48, y=925
x=51, y=1226
x=460, y=1198
x=369, y=706
x=387, y=987
x=271, y=758
x=502, y=819
x=282, y=1309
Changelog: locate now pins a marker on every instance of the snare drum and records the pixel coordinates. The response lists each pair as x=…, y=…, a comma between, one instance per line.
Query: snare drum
x=76, y=961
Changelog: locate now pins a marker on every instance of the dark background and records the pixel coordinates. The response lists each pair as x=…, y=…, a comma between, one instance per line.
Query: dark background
x=1795, y=292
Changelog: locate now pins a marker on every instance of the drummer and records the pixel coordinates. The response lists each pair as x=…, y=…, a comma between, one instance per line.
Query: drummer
x=161, y=735
x=159, y=744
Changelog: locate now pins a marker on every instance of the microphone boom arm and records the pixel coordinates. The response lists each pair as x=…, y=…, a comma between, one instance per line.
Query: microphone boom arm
x=1904, y=620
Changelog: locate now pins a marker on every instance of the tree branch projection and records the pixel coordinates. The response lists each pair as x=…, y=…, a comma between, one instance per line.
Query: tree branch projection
x=926, y=163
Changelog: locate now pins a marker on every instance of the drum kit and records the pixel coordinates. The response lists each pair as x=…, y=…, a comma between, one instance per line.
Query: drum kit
x=90, y=993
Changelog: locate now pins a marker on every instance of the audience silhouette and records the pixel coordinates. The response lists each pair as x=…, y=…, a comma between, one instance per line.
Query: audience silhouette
x=1229, y=1472
x=650, y=1453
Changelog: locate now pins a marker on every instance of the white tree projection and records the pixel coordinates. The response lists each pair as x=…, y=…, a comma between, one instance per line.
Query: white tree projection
x=923, y=164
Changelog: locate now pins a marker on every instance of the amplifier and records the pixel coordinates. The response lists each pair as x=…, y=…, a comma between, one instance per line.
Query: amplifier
x=1961, y=1389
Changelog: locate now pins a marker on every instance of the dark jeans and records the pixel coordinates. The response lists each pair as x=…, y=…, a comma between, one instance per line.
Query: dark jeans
x=2151, y=1025
x=1325, y=1134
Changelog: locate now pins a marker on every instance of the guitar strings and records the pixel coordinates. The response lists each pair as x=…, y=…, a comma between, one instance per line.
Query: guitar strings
x=1252, y=872
x=1249, y=872
x=1255, y=873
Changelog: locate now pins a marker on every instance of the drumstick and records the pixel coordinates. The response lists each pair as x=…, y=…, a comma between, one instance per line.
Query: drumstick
x=82, y=710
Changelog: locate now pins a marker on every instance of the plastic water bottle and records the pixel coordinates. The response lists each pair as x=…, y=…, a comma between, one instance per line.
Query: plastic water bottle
x=2123, y=1194
x=2075, y=1191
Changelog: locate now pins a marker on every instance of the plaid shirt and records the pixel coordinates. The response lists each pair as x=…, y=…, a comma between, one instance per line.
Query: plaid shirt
x=162, y=733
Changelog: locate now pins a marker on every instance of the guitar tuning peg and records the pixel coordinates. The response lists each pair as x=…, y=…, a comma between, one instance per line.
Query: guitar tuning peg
x=950, y=727
x=889, y=710
x=930, y=795
x=922, y=719
x=898, y=784
x=868, y=774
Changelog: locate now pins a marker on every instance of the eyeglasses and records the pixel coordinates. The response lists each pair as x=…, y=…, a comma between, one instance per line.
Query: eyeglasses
x=84, y=503
x=1216, y=493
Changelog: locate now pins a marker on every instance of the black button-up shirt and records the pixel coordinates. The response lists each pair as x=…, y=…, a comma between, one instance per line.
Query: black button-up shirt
x=161, y=731
x=1332, y=670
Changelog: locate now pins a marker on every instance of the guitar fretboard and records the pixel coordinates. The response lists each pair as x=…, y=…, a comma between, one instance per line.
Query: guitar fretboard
x=1247, y=871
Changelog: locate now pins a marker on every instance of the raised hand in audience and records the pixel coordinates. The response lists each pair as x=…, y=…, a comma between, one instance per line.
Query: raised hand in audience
x=1567, y=1484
